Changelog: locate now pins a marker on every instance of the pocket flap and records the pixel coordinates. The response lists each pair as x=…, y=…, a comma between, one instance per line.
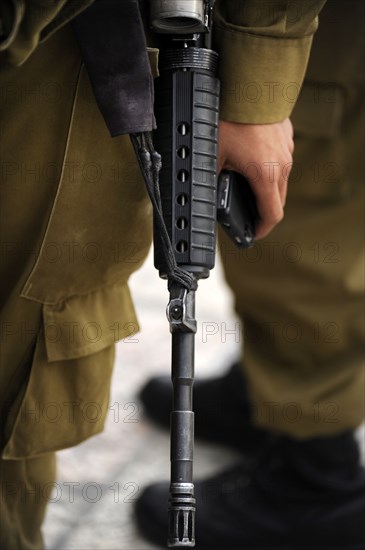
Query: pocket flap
x=86, y=324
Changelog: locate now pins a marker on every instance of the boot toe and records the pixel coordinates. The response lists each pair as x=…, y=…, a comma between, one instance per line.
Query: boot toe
x=221, y=407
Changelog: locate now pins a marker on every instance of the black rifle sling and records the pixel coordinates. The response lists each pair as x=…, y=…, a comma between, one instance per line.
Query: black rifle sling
x=113, y=45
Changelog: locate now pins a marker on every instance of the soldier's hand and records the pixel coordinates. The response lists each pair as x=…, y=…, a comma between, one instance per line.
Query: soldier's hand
x=263, y=154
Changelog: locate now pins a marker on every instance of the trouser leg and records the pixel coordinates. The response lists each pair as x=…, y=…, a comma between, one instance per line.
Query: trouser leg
x=299, y=297
x=26, y=486
x=299, y=294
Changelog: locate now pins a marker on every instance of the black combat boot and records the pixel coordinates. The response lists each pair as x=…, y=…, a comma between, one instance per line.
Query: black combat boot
x=221, y=406
x=303, y=495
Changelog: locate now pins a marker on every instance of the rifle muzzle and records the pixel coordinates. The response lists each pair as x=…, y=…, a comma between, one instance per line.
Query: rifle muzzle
x=181, y=515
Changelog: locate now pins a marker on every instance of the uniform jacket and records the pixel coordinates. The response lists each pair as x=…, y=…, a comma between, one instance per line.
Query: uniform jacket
x=262, y=45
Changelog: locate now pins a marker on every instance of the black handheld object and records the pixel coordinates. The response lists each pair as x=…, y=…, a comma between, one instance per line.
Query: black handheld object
x=236, y=208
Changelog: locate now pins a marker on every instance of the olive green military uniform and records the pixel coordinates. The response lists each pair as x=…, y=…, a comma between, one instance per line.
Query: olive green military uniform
x=76, y=222
x=299, y=292
x=73, y=230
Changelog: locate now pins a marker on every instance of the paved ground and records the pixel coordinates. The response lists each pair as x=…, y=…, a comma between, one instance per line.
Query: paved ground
x=99, y=480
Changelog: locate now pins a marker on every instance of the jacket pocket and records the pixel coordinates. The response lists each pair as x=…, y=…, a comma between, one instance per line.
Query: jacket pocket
x=99, y=230
x=67, y=395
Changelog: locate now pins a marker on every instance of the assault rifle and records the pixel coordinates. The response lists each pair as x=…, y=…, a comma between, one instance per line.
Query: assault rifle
x=185, y=195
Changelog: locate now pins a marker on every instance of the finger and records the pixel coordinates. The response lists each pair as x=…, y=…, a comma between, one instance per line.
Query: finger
x=270, y=209
x=283, y=189
x=283, y=181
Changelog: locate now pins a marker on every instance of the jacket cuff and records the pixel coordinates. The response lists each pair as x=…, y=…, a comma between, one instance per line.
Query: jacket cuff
x=261, y=76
